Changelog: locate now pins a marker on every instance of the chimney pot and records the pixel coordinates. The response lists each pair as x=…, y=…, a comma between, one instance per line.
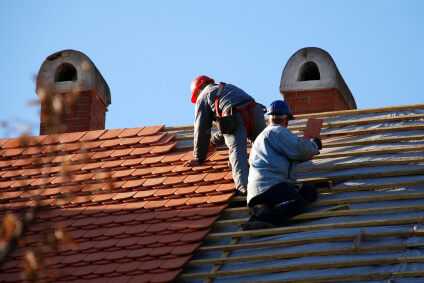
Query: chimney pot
x=311, y=83
x=70, y=77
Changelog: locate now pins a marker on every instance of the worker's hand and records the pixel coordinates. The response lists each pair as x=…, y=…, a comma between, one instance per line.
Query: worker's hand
x=212, y=148
x=318, y=142
x=191, y=163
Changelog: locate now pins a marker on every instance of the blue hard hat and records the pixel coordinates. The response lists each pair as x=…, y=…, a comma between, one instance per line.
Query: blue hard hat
x=279, y=107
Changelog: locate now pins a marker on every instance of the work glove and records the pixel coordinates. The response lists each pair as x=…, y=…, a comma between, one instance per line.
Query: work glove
x=318, y=142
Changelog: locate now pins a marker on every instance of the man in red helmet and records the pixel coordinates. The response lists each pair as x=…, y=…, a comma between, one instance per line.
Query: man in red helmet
x=249, y=121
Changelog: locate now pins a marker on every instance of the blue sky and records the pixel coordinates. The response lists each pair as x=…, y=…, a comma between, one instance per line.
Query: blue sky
x=150, y=51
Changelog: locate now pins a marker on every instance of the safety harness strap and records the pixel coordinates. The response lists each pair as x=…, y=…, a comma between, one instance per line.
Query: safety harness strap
x=218, y=94
x=250, y=124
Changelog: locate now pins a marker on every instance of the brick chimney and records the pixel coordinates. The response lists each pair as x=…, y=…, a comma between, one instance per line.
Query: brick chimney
x=311, y=83
x=74, y=96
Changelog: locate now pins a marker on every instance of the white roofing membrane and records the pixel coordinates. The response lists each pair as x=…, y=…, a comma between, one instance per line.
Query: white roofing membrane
x=340, y=271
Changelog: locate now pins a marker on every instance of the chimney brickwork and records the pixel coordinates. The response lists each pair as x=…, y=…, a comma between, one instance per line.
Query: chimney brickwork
x=311, y=83
x=74, y=96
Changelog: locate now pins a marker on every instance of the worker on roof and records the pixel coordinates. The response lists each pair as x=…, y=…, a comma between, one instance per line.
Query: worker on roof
x=273, y=192
x=238, y=117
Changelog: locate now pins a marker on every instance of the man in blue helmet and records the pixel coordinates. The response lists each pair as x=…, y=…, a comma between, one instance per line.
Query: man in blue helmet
x=273, y=192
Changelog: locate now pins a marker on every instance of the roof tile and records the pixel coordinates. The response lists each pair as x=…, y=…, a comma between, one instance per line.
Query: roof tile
x=185, y=249
x=130, y=132
x=173, y=157
x=195, y=178
x=165, y=276
x=198, y=200
x=139, y=253
x=151, y=182
x=111, y=134
x=155, y=204
x=221, y=198
x=142, y=151
x=147, y=131
x=92, y=135
x=107, y=268
x=194, y=236
x=151, y=264
x=128, y=267
x=163, y=148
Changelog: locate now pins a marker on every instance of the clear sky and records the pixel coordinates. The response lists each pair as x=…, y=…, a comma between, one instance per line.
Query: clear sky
x=150, y=51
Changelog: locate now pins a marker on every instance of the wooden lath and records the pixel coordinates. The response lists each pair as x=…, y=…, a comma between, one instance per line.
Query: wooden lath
x=310, y=240
x=360, y=111
x=329, y=143
x=336, y=114
x=361, y=164
x=297, y=267
x=315, y=227
x=298, y=254
x=366, y=121
x=351, y=277
x=338, y=201
x=335, y=213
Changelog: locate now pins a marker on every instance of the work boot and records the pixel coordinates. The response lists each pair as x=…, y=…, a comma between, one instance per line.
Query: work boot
x=242, y=192
x=256, y=225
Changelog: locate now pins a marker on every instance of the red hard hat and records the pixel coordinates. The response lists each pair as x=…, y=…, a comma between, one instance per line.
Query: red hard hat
x=196, y=83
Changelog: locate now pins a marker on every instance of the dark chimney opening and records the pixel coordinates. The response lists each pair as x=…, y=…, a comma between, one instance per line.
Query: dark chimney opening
x=309, y=72
x=65, y=72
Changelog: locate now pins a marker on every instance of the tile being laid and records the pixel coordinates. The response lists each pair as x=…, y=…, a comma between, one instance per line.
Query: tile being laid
x=165, y=139
x=147, y=131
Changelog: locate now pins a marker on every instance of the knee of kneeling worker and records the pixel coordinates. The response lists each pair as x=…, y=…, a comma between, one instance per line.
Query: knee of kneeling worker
x=300, y=204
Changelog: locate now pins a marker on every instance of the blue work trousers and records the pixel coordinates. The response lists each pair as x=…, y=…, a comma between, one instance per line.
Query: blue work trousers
x=280, y=202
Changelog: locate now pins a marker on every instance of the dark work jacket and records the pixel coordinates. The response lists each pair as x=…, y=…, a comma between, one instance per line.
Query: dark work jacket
x=205, y=114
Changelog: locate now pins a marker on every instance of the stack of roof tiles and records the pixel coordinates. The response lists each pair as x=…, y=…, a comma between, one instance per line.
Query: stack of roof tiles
x=132, y=211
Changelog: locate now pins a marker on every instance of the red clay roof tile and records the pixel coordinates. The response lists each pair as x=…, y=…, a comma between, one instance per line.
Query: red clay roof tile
x=130, y=132
x=151, y=264
x=147, y=131
x=122, y=153
x=195, y=178
x=154, y=204
x=221, y=198
x=142, y=151
x=151, y=182
x=13, y=152
x=128, y=267
x=151, y=139
x=133, y=163
x=131, y=141
x=173, y=157
x=163, y=148
x=105, y=269
x=165, y=276
x=153, y=160
x=203, y=223
x=186, y=249
x=92, y=135
x=111, y=134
